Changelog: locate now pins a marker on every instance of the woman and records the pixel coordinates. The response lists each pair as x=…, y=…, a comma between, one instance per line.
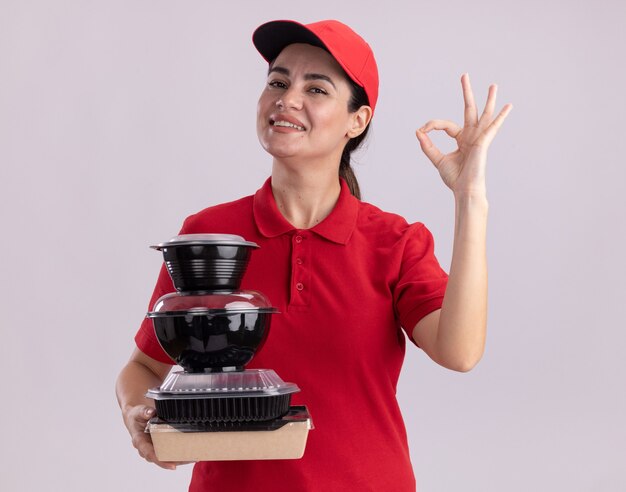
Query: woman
x=345, y=275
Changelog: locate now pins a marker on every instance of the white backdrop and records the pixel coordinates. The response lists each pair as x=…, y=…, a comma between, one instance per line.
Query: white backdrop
x=120, y=118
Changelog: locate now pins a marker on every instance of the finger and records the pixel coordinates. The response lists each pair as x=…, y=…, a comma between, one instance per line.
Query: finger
x=470, y=105
x=172, y=465
x=450, y=127
x=143, y=413
x=168, y=465
x=431, y=151
x=148, y=413
x=138, y=417
x=489, y=106
x=490, y=132
x=142, y=442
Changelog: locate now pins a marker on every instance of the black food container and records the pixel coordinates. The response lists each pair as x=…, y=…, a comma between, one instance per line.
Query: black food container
x=212, y=332
x=221, y=399
x=206, y=262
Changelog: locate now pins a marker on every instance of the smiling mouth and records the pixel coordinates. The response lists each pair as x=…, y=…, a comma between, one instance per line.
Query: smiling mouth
x=286, y=124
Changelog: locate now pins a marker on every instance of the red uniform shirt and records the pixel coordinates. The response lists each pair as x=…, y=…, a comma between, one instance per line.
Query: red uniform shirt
x=344, y=288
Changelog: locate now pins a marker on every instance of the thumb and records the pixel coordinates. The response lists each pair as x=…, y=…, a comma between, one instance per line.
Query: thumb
x=148, y=412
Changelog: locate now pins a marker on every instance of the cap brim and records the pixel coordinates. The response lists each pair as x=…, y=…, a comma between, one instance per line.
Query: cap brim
x=270, y=38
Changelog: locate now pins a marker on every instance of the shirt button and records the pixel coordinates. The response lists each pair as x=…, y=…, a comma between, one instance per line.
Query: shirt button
x=299, y=261
x=298, y=239
x=299, y=286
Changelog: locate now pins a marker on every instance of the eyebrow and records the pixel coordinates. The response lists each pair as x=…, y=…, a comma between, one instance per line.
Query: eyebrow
x=308, y=76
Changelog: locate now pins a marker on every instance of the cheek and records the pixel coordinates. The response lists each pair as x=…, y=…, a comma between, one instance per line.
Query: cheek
x=259, y=107
x=262, y=112
x=336, y=120
x=265, y=100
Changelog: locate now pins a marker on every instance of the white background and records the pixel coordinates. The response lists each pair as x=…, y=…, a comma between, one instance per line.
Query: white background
x=120, y=118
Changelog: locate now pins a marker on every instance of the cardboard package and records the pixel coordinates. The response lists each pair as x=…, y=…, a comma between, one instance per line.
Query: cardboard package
x=191, y=443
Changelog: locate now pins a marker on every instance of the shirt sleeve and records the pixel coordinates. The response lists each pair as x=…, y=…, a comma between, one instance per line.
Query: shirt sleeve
x=421, y=282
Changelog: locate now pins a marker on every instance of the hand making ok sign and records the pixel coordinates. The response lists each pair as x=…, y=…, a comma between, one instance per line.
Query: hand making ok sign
x=463, y=170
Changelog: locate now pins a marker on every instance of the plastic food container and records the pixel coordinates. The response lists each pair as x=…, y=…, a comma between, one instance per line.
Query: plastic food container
x=217, y=399
x=212, y=331
x=206, y=262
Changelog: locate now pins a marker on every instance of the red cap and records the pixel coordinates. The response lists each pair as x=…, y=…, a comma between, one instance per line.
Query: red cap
x=349, y=49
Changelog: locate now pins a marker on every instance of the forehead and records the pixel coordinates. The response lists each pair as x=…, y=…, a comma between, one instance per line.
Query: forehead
x=308, y=58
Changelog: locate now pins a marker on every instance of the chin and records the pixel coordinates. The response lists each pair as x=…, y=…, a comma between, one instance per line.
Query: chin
x=280, y=151
x=284, y=155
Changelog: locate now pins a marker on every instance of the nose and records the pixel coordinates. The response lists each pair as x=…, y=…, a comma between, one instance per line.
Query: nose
x=290, y=99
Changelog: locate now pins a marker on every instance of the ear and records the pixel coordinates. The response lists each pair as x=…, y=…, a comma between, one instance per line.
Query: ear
x=359, y=121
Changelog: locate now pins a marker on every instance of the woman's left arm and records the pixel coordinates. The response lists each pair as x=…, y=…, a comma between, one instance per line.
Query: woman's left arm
x=454, y=336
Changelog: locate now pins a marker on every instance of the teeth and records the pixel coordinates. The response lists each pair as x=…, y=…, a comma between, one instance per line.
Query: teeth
x=288, y=125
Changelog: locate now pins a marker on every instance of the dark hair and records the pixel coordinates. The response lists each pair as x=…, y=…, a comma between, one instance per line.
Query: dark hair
x=358, y=99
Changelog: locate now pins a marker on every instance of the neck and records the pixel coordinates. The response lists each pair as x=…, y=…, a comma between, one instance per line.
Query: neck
x=305, y=198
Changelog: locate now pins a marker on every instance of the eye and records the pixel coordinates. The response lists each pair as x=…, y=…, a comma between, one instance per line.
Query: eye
x=317, y=90
x=277, y=84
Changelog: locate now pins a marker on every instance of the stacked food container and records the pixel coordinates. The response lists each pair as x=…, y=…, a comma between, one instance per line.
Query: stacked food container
x=215, y=409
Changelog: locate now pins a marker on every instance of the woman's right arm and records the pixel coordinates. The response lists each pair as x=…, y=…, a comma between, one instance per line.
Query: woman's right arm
x=138, y=375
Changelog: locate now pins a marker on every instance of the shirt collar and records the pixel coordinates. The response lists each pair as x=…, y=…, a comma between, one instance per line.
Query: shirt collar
x=337, y=227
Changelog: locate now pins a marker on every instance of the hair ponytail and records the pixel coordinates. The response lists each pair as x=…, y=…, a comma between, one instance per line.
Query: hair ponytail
x=347, y=173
